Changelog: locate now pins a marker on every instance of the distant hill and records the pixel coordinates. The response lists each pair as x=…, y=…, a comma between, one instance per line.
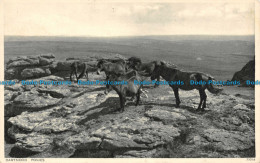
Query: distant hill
x=220, y=56
x=250, y=38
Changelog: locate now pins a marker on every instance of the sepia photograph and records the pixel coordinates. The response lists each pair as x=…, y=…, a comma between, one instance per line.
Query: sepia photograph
x=130, y=79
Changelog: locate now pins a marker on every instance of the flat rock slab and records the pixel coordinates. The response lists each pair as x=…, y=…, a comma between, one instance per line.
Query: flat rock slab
x=32, y=100
x=165, y=115
x=50, y=78
x=136, y=132
x=55, y=92
x=228, y=141
x=137, y=154
x=34, y=142
x=241, y=107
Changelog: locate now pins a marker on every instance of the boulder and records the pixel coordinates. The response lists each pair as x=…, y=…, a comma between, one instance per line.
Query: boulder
x=45, y=61
x=24, y=67
x=246, y=73
x=35, y=72
x=13, y=73
x=23, y=62
x=48, y=56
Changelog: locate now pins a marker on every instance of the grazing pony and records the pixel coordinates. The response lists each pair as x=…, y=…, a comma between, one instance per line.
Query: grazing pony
x=144, y=69
x=117, y=67
x=174, y=74
x=79, y=66
x=126, y=90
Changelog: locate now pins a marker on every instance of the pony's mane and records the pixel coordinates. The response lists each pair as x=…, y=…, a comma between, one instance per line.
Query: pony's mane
x=175, y=68
x=135, y=59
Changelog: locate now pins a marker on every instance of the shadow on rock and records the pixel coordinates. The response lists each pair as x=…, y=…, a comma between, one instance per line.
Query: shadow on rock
x=18, y=153
x=106, y=107
x=86, y=91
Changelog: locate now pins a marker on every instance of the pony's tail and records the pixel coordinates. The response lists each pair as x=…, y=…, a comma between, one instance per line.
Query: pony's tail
x=84, y=70
x=215, y=89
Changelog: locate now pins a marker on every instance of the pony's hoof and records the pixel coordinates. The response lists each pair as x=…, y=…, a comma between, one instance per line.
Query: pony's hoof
x=119, y=110
x=100, y=95
x=200, y=110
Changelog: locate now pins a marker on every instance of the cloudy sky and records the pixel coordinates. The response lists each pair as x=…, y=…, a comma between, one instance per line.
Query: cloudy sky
x=93, y=18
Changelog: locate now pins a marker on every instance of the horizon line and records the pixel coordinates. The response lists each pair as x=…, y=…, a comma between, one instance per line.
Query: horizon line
x=122, y=35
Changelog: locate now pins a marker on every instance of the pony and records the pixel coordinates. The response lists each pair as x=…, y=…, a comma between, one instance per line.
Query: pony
x=117, y=67
x=144, y=69
x=129, y=89
x=174, y=74
x=77, y=66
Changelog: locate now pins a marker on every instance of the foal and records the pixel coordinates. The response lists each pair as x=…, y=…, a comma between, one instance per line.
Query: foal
x=77, y=66
x=173, y=74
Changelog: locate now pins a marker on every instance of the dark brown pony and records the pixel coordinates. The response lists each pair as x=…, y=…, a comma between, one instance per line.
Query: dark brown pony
x=78, y=66
x=174, y=74
x=117, y=67
x=126, y=90
x=144, y=69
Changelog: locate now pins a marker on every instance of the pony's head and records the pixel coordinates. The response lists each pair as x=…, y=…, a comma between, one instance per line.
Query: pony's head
x=100, y=66
x=157, y=69
x=133, y=63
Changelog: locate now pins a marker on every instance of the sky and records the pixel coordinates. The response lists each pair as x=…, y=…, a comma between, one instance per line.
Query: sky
x=108, y=18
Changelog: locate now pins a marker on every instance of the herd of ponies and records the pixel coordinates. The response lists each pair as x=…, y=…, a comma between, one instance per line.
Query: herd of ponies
x=133, y=69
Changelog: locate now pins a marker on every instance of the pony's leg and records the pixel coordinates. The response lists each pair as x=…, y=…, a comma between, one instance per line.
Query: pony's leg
x=76, y=74
x=107, y=87
x=86, y=74
x=157, y=85
x=205, y=99
x=176, y=94
x=201, y=99
x=122, y=102
x=138, y=97
x=71, y=73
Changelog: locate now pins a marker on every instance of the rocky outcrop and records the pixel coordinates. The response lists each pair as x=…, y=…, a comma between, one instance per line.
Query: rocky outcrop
x=246, y=73
x=26, y=67
x=86, y=125
x=80, y=121
x=90, y=60
x=28, y=73
x=29, y=67
x=228, y=141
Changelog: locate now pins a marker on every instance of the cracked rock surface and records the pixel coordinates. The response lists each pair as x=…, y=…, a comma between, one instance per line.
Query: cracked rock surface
x=80, y=121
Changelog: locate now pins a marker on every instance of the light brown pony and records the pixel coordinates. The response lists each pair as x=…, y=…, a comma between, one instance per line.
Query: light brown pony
x=78, y=66
x=174, y=74
x=117, y=67
x=126, y=90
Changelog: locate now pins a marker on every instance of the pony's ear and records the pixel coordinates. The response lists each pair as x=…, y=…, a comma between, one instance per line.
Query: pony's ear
x=163, y=63
x=159, y=63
